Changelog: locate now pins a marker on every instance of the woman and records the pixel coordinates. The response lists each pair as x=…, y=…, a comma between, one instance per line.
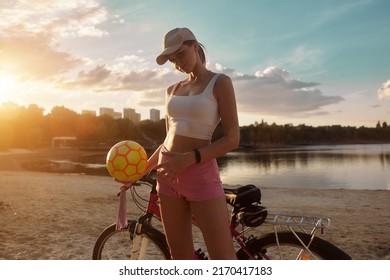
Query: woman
x=187, y=172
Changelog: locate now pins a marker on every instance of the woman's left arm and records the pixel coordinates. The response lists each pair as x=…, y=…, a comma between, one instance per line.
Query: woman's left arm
x=225, y=96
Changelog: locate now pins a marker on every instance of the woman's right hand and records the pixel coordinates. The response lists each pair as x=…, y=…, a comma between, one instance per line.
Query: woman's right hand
x=176, y=164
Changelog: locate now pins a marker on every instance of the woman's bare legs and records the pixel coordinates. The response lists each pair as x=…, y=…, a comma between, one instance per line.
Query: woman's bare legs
x=177, y=221
x=212, y=218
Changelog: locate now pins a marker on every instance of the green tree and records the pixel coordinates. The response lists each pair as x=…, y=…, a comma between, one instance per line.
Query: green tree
x=62, y=121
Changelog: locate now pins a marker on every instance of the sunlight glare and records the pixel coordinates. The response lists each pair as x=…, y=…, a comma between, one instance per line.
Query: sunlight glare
x=7, y=85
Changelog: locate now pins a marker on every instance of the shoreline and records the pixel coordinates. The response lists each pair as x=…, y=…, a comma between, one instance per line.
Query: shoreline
x=59, y=216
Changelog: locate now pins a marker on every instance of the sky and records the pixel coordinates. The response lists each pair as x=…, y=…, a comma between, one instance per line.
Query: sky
x=291, y=62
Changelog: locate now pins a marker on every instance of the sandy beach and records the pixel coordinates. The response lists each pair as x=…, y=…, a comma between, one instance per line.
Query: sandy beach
x=48, y=216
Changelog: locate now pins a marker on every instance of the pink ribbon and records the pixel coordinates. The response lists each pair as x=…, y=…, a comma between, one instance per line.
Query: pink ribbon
x=121, y=222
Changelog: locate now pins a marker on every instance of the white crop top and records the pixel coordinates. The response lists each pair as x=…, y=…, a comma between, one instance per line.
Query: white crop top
x=194, y=116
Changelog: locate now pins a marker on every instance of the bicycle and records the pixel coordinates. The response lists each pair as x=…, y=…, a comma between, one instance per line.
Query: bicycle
x=290, y=237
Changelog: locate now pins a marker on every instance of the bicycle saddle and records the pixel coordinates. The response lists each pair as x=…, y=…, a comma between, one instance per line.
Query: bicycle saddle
x=242, y=196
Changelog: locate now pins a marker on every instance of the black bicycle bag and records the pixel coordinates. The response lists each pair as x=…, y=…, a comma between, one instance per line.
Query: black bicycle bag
x=243, y=196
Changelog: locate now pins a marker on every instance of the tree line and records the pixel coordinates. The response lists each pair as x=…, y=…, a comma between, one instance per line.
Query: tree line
x=262, y=133
x=28, y=127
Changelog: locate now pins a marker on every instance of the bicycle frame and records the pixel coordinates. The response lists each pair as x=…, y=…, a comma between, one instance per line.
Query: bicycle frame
x=152, y=209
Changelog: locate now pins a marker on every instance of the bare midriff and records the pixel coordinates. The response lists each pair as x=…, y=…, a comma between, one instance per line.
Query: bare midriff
x=182, y=144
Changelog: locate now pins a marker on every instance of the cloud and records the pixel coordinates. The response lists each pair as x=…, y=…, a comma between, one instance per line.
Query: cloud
x=302, y=58
x=384, y=91
x=88, y=78
x=116, y=78
x=336, y=12
x=33, y=57
x=272, y=91
x=55, y=17
x=275, y=92
x=30, y=32
x=305, y=57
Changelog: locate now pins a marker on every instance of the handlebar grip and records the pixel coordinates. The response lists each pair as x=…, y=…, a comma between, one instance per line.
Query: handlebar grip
x=150, y=177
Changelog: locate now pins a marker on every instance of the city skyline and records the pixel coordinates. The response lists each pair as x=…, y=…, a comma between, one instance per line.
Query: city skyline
x=129, y=113
x=298, y=62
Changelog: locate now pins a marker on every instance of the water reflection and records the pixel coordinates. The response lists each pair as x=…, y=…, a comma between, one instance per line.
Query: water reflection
x=66, y=166
x=340, y=166
x=322, y=167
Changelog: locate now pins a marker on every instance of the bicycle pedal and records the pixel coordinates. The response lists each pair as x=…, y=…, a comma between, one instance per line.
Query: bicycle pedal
x=200, y=255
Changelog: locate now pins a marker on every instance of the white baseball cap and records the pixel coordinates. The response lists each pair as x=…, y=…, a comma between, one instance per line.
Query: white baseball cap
x=173, y=41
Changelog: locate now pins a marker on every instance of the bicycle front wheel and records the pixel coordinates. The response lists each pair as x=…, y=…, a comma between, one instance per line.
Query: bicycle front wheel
x=287, y=246
x=113, y=244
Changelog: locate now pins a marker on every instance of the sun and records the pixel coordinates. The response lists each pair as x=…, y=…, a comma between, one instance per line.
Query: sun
x=7, y=85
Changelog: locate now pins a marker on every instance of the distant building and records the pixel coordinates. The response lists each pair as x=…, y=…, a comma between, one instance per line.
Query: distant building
x=154, y=115
x=137, y=117
x=88, y=112
x=106, y=111
x=110, y=112
x=117, y=115
x=131, y=114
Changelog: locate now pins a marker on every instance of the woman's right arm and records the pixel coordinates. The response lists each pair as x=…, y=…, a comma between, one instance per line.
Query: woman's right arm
x=153, y=159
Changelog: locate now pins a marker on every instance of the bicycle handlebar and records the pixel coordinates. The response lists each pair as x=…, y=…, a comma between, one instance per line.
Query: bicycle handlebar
x=150, y=177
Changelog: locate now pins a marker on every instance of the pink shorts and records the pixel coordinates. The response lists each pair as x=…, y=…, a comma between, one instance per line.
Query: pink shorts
x=199, y=182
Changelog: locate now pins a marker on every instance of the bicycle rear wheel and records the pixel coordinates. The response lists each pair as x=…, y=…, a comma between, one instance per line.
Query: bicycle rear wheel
x=290, y=248
x=113, y=244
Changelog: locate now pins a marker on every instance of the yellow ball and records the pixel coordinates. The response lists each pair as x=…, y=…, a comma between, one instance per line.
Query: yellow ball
x=126, y=161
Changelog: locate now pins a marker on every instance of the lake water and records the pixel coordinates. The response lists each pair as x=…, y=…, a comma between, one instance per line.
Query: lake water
x=316, y=167
x=319, y=167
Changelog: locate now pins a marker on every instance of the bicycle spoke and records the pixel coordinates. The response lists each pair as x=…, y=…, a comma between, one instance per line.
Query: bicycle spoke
x=117, y=245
